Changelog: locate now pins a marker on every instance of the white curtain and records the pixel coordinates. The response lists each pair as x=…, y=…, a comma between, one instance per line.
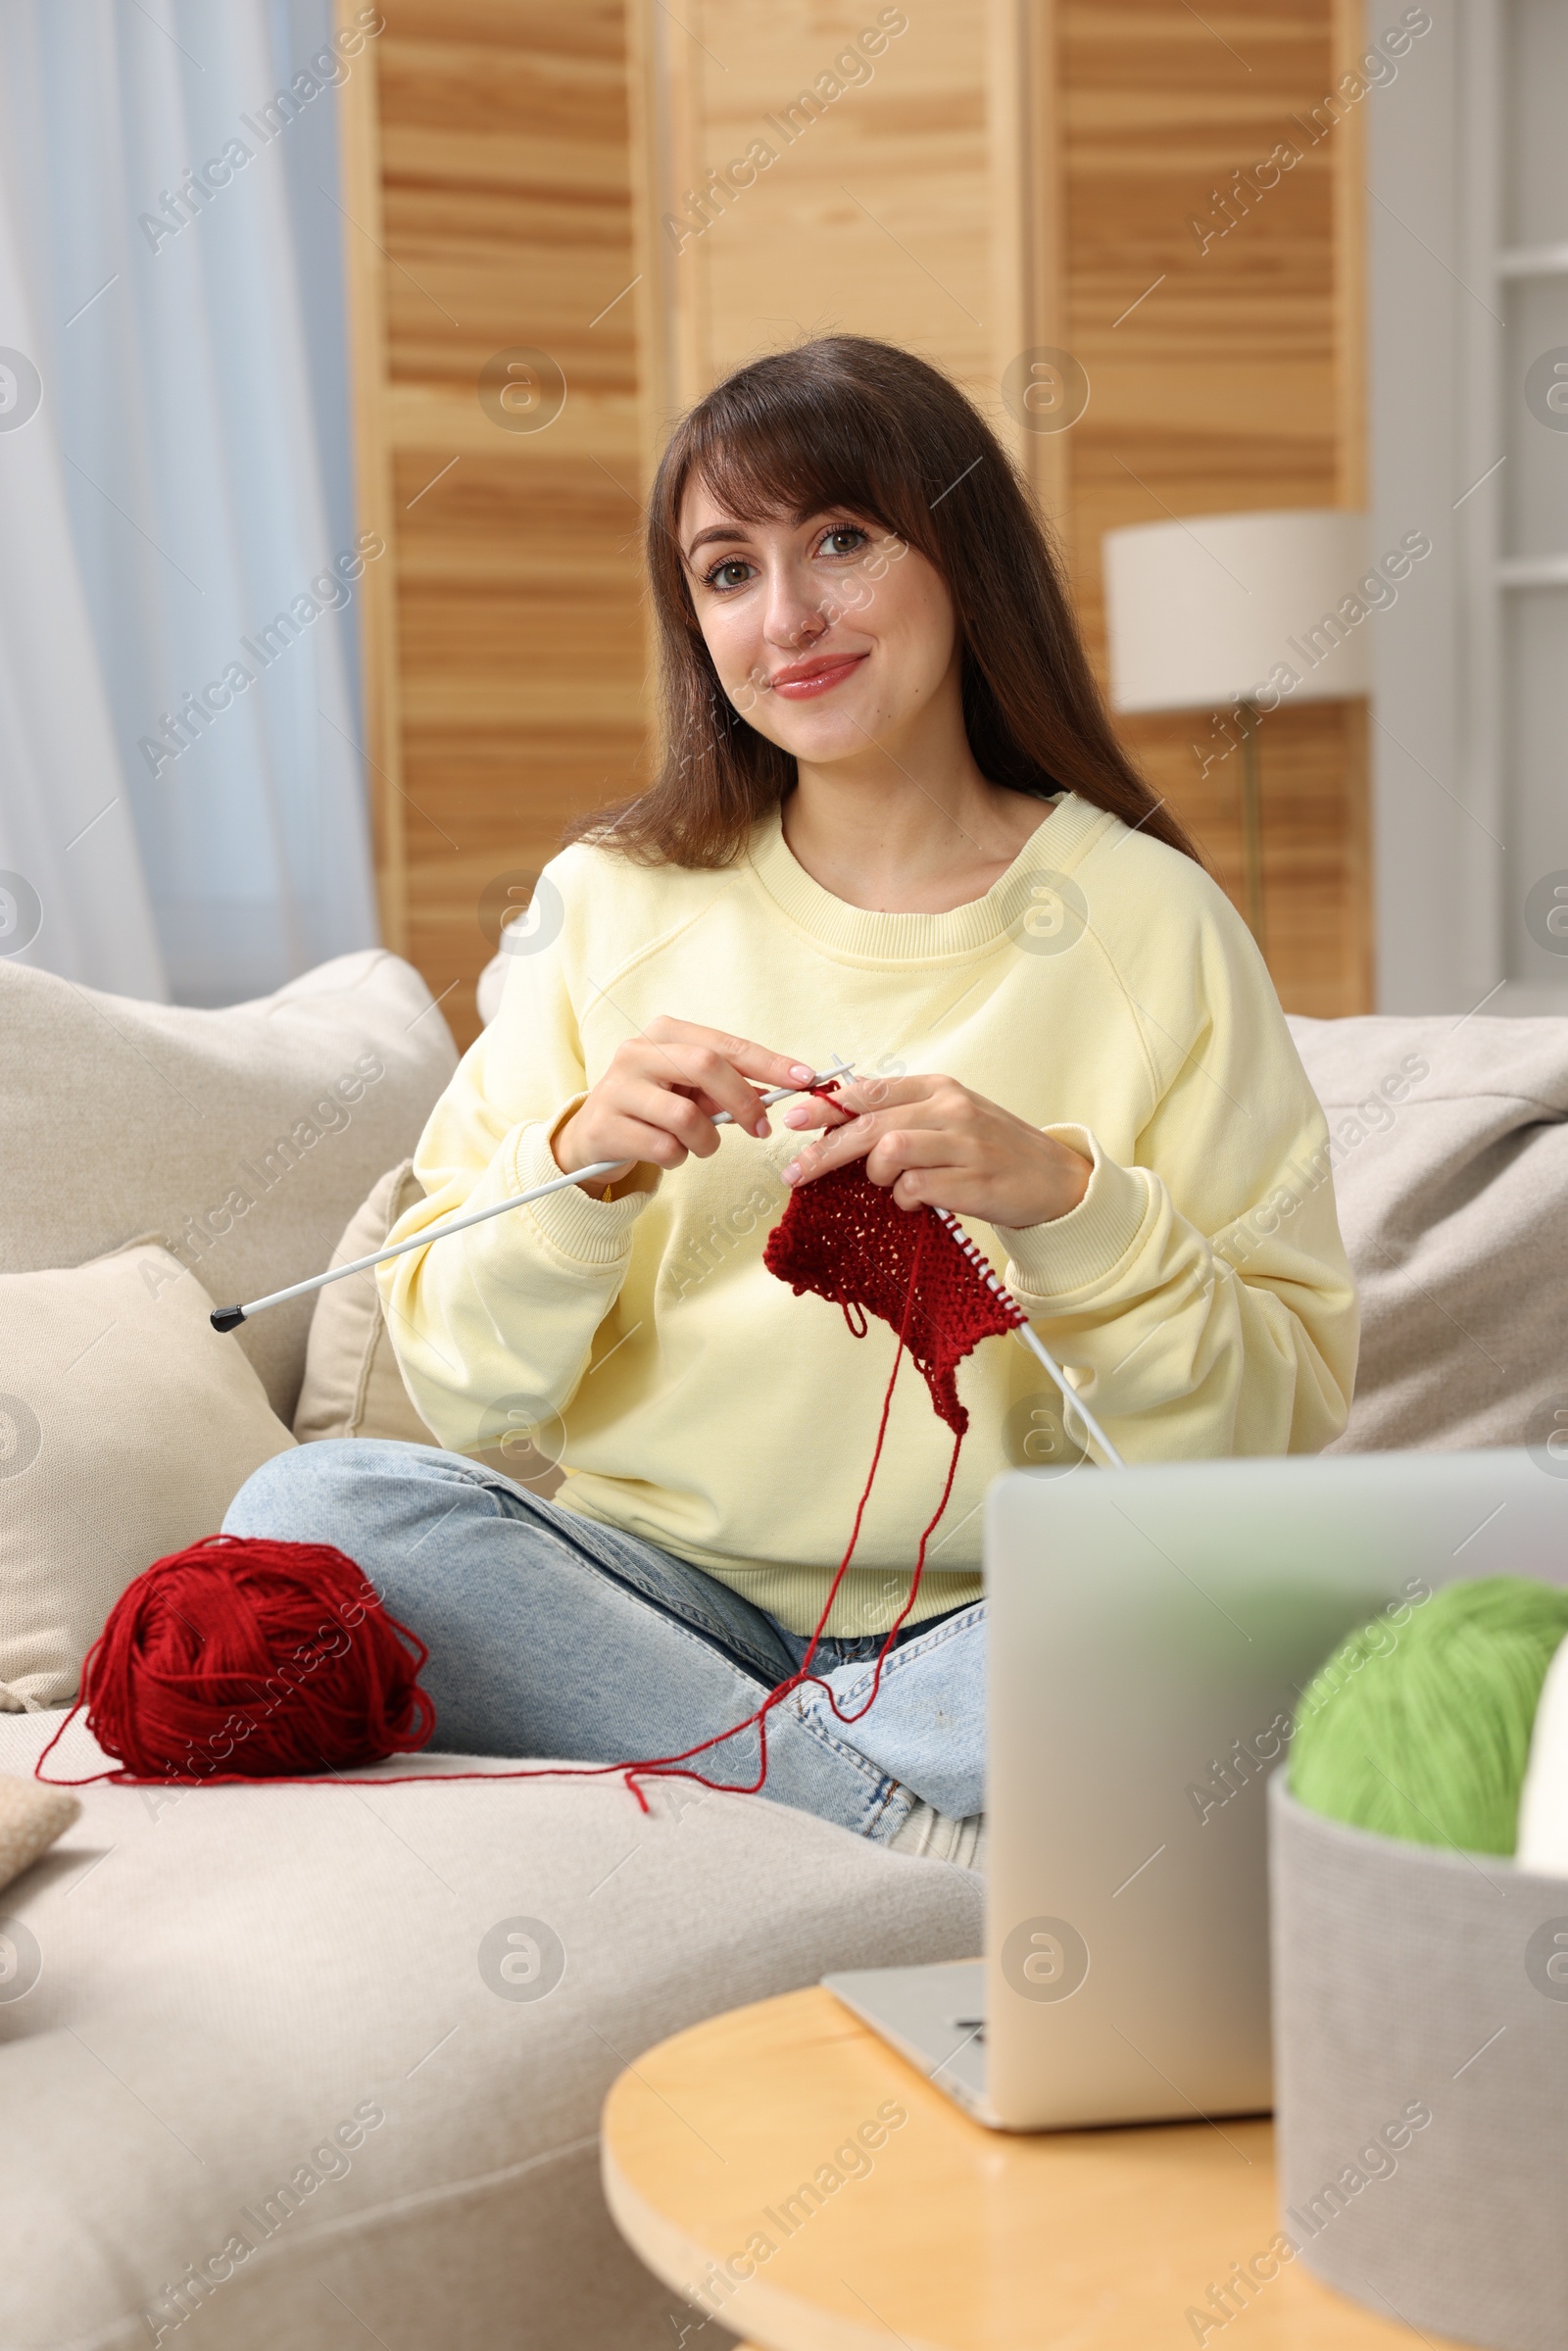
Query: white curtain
x=183, y=806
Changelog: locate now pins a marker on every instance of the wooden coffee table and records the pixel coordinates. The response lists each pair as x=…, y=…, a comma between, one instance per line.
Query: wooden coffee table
x=758, y=2166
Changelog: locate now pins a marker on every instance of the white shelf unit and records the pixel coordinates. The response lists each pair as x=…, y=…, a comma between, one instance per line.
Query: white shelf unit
x=1469, y=287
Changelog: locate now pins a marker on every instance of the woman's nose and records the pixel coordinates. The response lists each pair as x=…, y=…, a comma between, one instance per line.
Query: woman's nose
x=794, y=614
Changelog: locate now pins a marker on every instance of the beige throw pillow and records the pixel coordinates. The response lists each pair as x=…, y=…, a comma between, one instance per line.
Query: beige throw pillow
x=353, y=1387
x=243, y=1138
x=128, y=1426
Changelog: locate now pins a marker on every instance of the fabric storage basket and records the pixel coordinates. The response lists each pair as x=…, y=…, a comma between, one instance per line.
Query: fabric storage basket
x=1421, y=2078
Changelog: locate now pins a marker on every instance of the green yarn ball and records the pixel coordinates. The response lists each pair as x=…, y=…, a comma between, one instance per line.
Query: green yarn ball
x=1421, y=1731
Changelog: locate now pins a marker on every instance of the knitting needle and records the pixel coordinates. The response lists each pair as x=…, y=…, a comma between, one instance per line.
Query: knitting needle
x=229, y=1318
x=1031, y=1339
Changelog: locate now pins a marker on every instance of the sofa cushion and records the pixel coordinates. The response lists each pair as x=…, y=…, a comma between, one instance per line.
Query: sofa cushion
x=341, y=2050
x=127, y=1428
x=352, y=1385
x=244, y=1138
x=1450, y=1168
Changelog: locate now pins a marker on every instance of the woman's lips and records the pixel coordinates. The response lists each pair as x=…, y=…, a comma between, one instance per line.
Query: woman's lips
x=804, y=681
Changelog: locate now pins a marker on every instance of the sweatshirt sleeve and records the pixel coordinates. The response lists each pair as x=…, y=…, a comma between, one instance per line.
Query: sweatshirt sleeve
x=550, y=1272
x=1199, y=1297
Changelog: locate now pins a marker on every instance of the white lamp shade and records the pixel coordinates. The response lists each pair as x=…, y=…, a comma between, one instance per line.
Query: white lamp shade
x=1206, y=611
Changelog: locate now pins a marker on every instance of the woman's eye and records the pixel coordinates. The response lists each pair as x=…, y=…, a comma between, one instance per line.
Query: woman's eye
x=732, y=574
x=847, y=539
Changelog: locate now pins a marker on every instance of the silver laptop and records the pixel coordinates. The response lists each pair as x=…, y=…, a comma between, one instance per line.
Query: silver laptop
x=1150, y=1630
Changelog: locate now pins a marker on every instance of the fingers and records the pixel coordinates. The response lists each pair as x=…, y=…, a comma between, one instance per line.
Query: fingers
x=738, y=1054
x=664, y=1090
x=858, y=1095
x=888, y=1150
x=673, y=1114
x=814, y=1111
x=708, y=1071
x=882, y=1094
x=655, y=1145
x=949, y=1148
x=710, y=1081
x=922, y=1122
x=641, y=1144
x=856, y=1139
x=614, y=1144
x=916, y=1188
x=688, y=1079
x=901, y=1149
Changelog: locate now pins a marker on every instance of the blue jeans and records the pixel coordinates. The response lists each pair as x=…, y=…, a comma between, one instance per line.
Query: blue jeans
x=553, y=1635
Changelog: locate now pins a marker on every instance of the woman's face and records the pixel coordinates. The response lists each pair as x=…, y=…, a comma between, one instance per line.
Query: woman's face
x=828, y=635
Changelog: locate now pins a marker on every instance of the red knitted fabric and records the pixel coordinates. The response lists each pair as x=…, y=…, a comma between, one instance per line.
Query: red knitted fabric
x=847, y=1239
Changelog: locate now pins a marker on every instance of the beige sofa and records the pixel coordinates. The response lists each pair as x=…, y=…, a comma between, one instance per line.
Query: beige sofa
x=270, y=2071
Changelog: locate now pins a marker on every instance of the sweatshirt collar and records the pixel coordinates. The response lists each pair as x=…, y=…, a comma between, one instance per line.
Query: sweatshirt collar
x=1055, y=847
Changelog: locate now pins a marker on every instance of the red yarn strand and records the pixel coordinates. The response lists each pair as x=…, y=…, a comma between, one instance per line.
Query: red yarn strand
x=153, y=1686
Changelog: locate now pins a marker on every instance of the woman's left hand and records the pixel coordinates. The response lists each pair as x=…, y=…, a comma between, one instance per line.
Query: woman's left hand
x=933, y=1142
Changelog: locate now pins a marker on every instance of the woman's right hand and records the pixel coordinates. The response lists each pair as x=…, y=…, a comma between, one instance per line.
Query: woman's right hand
x=658, y=1099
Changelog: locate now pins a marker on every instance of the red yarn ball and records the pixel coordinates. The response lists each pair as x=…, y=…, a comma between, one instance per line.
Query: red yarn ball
x=245, y=1659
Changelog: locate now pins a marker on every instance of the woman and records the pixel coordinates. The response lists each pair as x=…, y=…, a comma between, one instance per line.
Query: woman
x=893, y=827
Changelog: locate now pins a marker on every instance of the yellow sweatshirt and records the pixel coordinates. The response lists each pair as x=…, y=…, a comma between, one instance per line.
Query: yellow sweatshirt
x=1103, y=989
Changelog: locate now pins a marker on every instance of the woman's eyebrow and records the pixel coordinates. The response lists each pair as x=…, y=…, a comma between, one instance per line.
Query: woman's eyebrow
x=714, y=531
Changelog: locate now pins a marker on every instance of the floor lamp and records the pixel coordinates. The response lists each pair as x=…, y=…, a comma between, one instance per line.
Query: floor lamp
x=1238, y=615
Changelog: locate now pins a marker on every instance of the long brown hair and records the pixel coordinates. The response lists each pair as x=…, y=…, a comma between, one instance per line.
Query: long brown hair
x=846, y=423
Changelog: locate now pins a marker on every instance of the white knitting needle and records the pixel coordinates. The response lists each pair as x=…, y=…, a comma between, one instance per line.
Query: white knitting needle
x=229, y=1318
x=1025, y=1330
x=1069, y=1395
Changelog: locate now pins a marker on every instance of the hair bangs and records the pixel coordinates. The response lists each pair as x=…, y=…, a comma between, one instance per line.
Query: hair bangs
x=777, y=447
